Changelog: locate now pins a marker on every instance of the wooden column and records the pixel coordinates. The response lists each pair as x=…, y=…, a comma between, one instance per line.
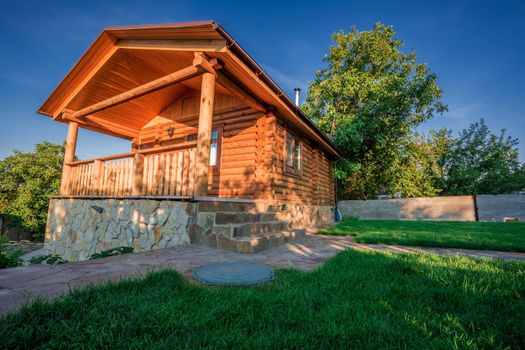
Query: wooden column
x=138, y=174
x=202, y=160
x=69, y=156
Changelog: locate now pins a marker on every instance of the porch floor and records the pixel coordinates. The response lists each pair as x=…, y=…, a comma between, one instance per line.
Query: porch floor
x=18, y=285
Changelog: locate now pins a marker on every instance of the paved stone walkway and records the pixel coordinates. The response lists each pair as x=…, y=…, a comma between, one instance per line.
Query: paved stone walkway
x=21, y=284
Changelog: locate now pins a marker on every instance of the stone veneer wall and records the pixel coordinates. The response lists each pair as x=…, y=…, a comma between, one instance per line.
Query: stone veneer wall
x=78, y=228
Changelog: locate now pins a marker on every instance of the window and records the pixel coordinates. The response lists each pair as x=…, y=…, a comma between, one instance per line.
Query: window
x=214, y=145
x=292, y=154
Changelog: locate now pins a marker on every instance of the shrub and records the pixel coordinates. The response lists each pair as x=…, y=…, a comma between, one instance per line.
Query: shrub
x=7, y=258
x=111, y=252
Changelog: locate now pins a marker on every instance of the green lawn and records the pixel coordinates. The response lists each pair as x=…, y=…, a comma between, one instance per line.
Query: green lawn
x=473, y=235
x=355, y=300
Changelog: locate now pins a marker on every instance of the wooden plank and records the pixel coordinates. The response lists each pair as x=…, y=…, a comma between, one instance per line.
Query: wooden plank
x=185, y=164
x=173, y=171
x=161, y=173
x=179, y=173
x=166, y=175
x=191, y=176
x=205, y=45
x=122, y=171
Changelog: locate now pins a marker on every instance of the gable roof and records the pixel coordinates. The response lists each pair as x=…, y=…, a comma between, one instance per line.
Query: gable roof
x=155, y=49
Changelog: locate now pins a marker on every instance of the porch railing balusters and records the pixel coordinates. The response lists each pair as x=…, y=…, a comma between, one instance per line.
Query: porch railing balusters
x=151, y=173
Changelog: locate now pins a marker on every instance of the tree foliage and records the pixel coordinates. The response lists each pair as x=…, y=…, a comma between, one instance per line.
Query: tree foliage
x=369, y=98
x=480, y=162
x=27, y=179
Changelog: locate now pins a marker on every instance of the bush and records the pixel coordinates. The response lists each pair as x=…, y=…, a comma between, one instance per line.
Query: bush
x=111, y=252
x=48, y=259
x=8, y=259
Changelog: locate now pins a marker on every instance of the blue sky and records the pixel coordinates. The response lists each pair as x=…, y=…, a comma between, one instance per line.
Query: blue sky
x=476, y=48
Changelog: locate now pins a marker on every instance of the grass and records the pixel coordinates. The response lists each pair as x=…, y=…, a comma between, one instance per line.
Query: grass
x=447, y=234
x=355, y=300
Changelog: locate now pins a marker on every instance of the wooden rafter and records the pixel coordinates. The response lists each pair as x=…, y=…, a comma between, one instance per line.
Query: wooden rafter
x=71, y=94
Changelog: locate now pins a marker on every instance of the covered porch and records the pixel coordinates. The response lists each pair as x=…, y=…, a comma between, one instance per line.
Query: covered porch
x=166, y=159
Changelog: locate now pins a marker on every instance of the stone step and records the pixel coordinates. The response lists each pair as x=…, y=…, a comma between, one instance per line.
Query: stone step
x=243, y=230
x=251, y=228
x=256, y=243
x=223, y=218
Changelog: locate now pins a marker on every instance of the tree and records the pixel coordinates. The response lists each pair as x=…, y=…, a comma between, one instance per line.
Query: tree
x=27, y=179
x=369, y=98
x=480, y=162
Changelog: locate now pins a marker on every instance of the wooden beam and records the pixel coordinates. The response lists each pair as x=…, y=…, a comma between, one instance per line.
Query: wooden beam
x=69, y=156
x=99, y=124
x=214, y=66
x=148, y=88
x=202, y=160
x=67, y=114
x=207, y=64
x=238, y=91
x=204, y=45
x=111, y=126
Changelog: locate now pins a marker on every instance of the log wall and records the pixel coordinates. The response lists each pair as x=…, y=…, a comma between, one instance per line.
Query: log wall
x=314, y=185
x=251, y=152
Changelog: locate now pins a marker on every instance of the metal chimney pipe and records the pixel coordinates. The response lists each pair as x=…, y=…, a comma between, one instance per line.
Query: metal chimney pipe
x=297, y=96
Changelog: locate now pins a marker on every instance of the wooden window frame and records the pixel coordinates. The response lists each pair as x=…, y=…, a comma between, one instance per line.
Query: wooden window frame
x=286, y=168
x=219, y=127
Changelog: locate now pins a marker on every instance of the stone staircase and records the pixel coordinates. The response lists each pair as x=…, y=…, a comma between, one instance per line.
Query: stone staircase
x=252, y=232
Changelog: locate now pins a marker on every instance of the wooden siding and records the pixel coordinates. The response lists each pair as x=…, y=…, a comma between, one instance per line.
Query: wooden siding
x=250, y=163
x=234, y=175
x=314, y=185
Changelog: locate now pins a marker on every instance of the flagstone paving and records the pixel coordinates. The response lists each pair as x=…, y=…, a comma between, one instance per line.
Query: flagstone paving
x=22, y=284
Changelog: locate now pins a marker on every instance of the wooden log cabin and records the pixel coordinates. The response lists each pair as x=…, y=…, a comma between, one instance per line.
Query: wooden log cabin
x=218, y=152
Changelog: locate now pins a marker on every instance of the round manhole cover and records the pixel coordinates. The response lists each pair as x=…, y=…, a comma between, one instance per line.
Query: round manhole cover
x=232, y=273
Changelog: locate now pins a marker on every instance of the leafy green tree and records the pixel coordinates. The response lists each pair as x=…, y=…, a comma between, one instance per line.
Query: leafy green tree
x=369, y=99
x=480, y=162
x=27, y=179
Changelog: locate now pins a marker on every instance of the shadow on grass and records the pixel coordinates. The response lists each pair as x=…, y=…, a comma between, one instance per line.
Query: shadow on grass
x=356, y=300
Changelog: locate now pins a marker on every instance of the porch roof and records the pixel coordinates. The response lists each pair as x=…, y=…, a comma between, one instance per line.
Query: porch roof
x=125, y=58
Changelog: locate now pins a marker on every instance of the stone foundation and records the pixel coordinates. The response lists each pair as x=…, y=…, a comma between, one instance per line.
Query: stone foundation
x=78, y=228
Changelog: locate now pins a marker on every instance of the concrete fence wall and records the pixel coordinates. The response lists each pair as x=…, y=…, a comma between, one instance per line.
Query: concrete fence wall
x=497, y=207
x=453, y=208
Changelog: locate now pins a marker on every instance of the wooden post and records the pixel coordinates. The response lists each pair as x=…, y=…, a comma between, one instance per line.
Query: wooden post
x=204, y=134
x=98, y=177
x=138, y=174
x=69, y=156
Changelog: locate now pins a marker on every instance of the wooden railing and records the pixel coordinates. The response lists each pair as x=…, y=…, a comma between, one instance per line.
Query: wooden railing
x=168, y=172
